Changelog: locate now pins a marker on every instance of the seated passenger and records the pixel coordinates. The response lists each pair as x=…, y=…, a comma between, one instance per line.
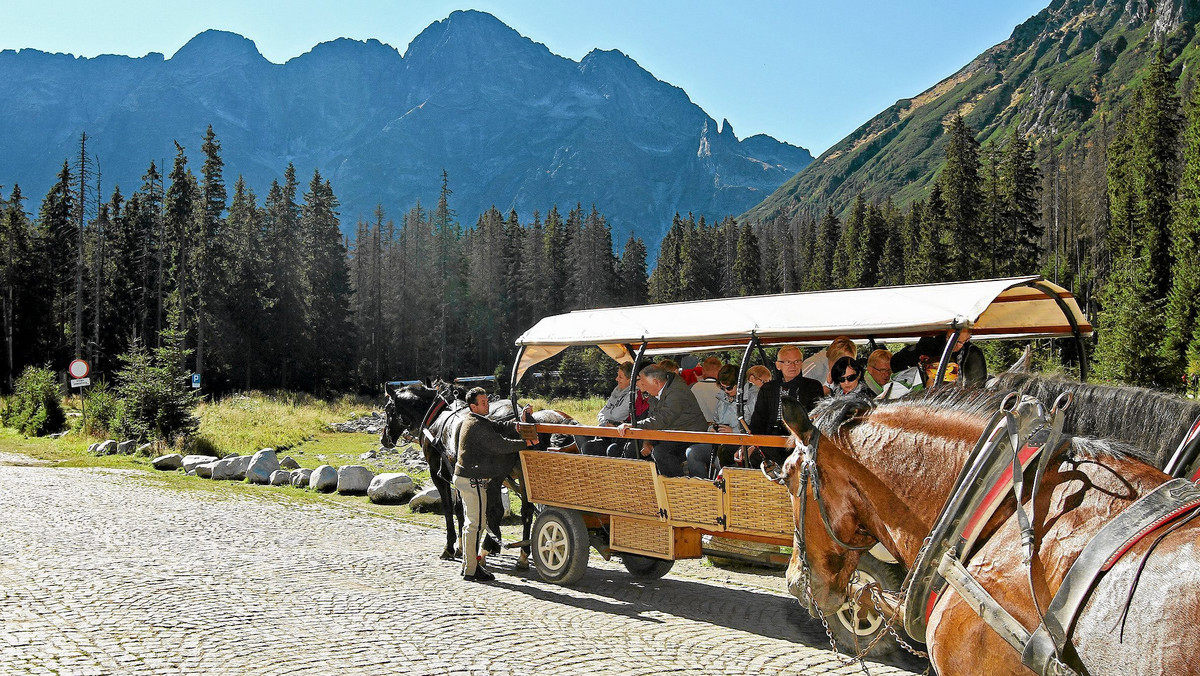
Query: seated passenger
x=699, y=456
x=767, y=418
x=846, y=374
x=879, y=371
x=817, y=366
x=967, y=361
x=757, y=375
x=672, y=407
x=705, y=389
x=614, y=412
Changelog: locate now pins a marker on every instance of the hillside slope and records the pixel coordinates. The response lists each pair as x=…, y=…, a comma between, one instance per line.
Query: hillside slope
x=1058, y=76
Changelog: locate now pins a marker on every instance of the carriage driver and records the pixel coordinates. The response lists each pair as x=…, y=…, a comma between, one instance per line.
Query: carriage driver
x=485, y=448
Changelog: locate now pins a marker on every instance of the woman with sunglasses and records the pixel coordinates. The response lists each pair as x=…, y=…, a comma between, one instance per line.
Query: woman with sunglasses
x=846, y=377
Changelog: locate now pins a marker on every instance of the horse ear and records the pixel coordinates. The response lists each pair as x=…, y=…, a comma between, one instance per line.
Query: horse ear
x=795, y=418
x=428, y=382
x=389, y=390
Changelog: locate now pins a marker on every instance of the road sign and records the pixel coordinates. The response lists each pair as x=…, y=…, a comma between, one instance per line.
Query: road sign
x=80, y=382
x=79, y=369
x=195, y=380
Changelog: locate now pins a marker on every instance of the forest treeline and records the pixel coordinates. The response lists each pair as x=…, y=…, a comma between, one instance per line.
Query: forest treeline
x=270, y=294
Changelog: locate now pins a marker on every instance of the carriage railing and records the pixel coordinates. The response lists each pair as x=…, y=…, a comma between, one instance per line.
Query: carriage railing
x=530, y=431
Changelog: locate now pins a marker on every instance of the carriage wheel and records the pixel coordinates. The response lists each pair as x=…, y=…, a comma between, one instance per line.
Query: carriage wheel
x=560, y=545
x=855, y=625
x=646, y=567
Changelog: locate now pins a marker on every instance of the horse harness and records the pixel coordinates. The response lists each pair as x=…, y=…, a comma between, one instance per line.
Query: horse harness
x=1019, y=434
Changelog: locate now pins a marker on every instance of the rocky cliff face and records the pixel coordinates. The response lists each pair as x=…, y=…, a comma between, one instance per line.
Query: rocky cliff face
x=1053, y=79
x=514, y=125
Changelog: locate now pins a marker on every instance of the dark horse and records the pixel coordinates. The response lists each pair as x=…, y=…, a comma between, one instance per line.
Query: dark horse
x=886, y=470
x=431, y=416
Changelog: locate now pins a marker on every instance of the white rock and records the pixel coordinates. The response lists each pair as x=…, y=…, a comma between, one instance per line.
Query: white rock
x=144, y=449
x=107, y=447
x=354, y=479
x=261, y=465
x=126, y=447
x=168, y=462
x=427, y=498
x=280, y=477
x=389, y=489
x=288, y=463
x=205, y=470
x=323, y=479
x=191, y=461
x=300, y=477
x=231, y=469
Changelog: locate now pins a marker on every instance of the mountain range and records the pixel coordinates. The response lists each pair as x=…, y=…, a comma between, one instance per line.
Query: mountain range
x=511, y=123
x=1059, y=77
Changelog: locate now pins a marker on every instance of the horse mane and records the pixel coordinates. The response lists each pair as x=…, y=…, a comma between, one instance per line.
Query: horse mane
x=836, y=416
x=1151, y=422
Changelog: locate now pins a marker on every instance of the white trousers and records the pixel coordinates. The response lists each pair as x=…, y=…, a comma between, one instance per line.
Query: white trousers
x=474, y=500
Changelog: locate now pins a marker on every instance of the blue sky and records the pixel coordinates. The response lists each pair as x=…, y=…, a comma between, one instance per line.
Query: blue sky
x=805, y=72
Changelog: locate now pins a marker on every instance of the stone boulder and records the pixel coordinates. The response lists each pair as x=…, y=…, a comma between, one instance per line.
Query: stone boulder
x=126, y=447
x=144, y=449
x=300, y=477
x=191, y=461
x=231, y=469
x=391, y=489
x=107, y=447
x=354, y=479
x=323, y=479
x=168, y=462
x=262, y=464
x=280, y=477
x=288, y=463
x=205, y=470
x=426, y=500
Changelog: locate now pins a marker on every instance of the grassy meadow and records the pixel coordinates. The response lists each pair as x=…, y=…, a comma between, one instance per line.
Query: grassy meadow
x=295, y=425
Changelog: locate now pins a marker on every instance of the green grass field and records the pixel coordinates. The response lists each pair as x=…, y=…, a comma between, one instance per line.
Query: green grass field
x=296, y=425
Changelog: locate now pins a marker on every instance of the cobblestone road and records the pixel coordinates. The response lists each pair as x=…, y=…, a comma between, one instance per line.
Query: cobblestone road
x=105, y=572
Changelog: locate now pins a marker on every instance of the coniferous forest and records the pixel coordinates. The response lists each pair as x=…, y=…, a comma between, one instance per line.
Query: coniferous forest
x=268, y=293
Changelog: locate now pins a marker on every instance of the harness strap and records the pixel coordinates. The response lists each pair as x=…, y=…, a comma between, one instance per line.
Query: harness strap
x=1154, y=509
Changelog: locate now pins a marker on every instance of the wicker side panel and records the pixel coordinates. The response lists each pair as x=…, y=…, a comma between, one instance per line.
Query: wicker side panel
x=649, y=538
x=591, y=483
x=693, y=502
x=755, y=504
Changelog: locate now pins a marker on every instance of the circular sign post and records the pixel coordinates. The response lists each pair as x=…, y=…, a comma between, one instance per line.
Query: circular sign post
x=79, y=369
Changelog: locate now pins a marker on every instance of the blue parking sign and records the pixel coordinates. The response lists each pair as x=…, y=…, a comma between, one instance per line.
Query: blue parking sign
x=195, y=380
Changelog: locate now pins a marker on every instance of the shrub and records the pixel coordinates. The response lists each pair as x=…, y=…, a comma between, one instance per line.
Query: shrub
x=36, y=405
x=157, y=401
x=101, y=410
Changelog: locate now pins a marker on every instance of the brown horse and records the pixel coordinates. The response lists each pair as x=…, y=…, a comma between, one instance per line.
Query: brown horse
x=885, y=472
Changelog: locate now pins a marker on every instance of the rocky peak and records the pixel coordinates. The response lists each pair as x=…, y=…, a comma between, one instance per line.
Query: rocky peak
x=214, y=47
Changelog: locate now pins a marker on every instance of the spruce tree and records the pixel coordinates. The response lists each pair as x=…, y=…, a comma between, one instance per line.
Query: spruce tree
x=820, y=266
x=962, y=192
x=327, y=282
x=632, y=272
x=1181, y=345
x=746, y=267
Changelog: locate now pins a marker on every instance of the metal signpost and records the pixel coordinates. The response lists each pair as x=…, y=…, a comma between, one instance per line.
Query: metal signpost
x=79, y=370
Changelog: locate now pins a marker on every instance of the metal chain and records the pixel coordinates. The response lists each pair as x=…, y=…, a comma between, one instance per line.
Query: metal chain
x=876, y=598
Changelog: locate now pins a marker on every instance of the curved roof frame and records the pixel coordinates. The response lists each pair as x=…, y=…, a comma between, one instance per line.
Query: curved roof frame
x=1008, y=308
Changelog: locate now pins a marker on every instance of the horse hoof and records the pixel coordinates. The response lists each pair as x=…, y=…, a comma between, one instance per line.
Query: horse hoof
x=522, y=564
x=448, y=555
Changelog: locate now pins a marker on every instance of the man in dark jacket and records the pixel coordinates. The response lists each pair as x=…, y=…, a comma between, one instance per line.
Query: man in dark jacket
x=672, y=407
x=485, y=450
x=767, y=417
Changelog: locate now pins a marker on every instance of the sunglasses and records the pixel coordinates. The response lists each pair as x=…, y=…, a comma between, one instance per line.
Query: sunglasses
x=849, y=378
x=728, y=388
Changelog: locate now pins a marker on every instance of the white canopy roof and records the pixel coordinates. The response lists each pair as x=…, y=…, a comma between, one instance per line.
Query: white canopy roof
x=1025, y=307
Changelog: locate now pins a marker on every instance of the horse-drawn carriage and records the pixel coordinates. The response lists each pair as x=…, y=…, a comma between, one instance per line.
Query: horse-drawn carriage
x=624, y=507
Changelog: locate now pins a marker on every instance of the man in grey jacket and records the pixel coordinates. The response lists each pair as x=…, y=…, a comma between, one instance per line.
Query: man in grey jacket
x=672, y=407
x=615, y=411
x=485, y=448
